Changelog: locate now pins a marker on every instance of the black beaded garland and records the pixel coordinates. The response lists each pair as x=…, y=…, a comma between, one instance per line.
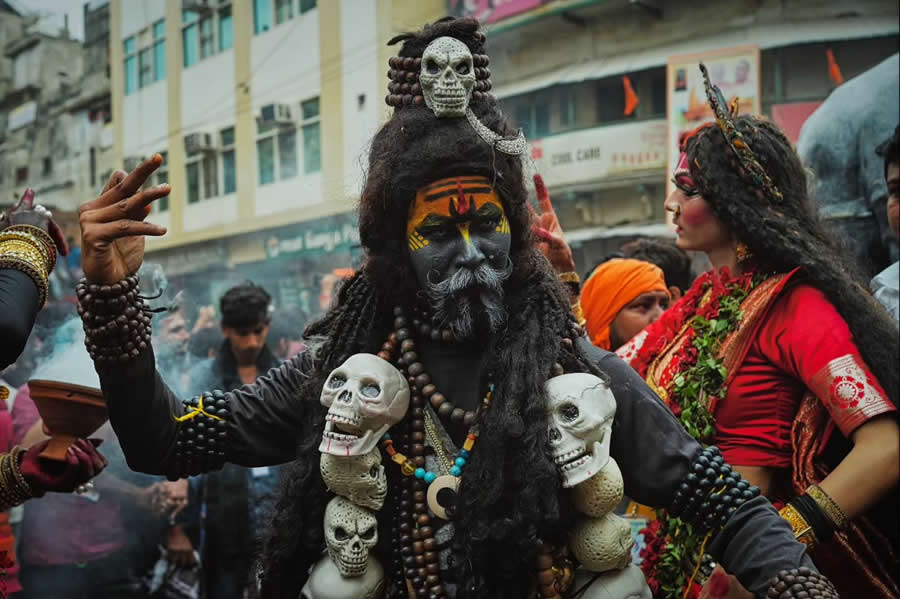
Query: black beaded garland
x=200, y=442
x=800, y=583
x=711, y=492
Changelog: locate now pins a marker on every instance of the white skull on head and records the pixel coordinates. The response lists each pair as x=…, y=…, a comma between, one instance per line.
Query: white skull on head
x=350, y=533
x=447, y=77
x=365, y=396
x=581, y=409
x=359, y=478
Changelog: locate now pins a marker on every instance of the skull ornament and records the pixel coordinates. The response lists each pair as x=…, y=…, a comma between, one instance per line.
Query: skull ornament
x=350, y=533
x=581, y=408
x=365, y=396
x=359, y=478
x=447, y=77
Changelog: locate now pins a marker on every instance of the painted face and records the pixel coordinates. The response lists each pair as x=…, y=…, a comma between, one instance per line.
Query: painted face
x=697, y=226
x=459, y=239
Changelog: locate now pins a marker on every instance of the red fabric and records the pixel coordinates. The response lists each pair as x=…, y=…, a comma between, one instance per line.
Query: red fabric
x=801, y=336
x=7, y=541
x=92, y=529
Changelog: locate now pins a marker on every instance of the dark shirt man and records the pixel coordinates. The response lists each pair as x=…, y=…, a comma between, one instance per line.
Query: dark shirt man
x=237, y=499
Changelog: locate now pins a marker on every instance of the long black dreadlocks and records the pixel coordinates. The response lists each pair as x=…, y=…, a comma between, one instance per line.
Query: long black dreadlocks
x=509, y=499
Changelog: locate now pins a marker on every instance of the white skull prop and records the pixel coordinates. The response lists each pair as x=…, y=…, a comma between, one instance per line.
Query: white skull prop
x=350, y=533
x=581, y=408
x=325, y=582
x=601, y=544
x=359, y=478
x=447, y=77
x=365, y=396
x=601, y=493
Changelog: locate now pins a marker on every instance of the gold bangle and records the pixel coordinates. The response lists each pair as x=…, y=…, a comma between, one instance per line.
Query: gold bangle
x=569, y=277
x=35, y=236
x=828, y=506
x=28, y=260
x=803, y=532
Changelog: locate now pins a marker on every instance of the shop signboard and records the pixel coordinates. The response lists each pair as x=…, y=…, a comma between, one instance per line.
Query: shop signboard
x=326, y=235
x=600, y=153
x=490, y=11
x=735, y=70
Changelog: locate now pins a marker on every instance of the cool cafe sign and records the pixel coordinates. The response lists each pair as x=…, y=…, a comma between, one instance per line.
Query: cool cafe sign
x=601, y=152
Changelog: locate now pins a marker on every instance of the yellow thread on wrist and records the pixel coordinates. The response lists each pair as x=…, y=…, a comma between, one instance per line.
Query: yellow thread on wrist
x=198, y=409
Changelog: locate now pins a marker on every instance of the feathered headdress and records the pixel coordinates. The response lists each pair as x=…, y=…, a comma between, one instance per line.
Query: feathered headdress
x=753, y=171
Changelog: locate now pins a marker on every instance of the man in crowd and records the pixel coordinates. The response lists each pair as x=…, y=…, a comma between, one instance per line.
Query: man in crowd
x=836, y=143
x=621, y=298
x=886, y=285
x=236, y=498
x=672, y=260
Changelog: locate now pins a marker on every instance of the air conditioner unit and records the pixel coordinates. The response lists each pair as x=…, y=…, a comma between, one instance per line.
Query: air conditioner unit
x=199, y=142
x=131, y=163
x=279, y=114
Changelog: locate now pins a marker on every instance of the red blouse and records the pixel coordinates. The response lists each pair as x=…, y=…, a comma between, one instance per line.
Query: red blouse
x=801, y=344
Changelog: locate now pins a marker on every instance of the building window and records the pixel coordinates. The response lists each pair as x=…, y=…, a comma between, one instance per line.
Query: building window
x=189, y=37
x=265, y=152
x=207, y=38
x=93, y=162
x=312, y=158
x=276, y=149
x=47, y=167
x=203, y=32
x=131, y=69
x=210, y=175
x=145, y=63
x=284, y=10
x=229, y=167
x=193, y=182
x=262, y=15
x=307, y=5
x=159, y=50
x=21, y=175
x=226, y=34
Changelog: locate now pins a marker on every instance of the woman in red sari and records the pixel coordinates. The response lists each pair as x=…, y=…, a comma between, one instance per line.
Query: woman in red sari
x=780, y=357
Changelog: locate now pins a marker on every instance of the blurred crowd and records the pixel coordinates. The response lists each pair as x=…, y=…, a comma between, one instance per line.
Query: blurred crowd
x=136, y=535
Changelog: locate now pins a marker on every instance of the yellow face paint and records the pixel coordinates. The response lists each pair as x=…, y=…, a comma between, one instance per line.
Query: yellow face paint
x=455, y=200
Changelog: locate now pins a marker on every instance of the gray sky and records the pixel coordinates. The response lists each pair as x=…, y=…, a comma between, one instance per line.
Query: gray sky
x=53, y=14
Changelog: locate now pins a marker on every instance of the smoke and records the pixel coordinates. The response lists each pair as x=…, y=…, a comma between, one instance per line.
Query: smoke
x=69, y=361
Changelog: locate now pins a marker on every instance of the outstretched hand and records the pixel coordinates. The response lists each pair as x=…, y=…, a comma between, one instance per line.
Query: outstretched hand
x=547, y=229
x=83, y=462
x=113, y=227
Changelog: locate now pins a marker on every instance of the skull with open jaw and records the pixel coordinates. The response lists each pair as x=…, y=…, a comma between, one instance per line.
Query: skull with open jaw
x=581, y=408
x=365, y=396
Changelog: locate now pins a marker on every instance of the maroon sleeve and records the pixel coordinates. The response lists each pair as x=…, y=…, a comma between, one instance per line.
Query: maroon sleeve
x=24, y=414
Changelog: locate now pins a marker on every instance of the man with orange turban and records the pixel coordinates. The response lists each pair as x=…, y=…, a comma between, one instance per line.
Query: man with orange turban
x=620, y=298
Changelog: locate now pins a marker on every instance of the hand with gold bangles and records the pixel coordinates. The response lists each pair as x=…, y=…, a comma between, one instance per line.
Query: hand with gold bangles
x=29, y=243
x=24, y=474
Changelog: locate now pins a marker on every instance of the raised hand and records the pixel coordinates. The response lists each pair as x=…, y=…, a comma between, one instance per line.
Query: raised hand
x=25, y=212
x=113, y=227
x=83, y=462
x=547, y=229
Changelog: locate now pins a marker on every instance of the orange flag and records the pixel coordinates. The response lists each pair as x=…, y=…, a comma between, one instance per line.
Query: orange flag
x=631, y=98
x=834, y=71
